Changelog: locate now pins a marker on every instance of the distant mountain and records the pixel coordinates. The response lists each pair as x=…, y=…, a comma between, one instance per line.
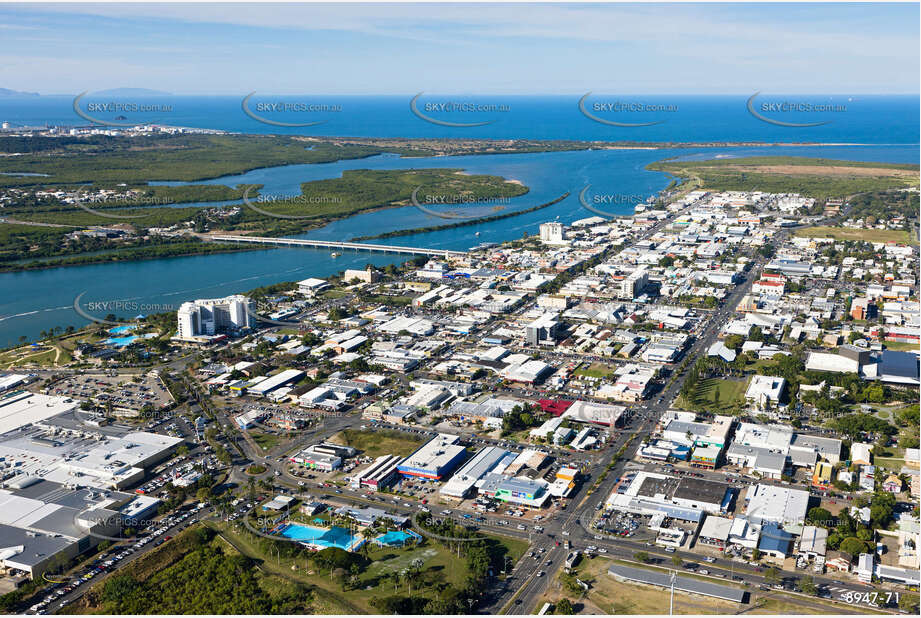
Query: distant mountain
x=129, y=92
x=6, y=92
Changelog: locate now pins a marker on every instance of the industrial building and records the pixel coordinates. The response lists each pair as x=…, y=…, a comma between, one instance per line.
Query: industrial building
x=435, y=459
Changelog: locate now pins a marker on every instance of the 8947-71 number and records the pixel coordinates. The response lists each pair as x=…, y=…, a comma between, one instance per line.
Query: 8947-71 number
x=870, y=597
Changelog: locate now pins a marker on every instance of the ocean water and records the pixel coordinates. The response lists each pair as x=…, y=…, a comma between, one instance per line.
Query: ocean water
x=852, y=119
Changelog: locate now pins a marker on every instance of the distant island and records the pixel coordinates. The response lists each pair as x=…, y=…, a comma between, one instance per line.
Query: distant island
x=131, y=92
x=6, y=92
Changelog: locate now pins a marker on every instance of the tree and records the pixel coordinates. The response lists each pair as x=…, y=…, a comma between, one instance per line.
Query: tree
x=677, y=561
x=563, y=607
x=908, y=602
x=771, y=575
x=807, y=585
x=641, y=556
x=756, y=554
x=853, y=547
x=820, y=517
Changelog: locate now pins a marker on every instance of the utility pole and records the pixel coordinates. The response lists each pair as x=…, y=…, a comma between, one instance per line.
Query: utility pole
x=671, y=603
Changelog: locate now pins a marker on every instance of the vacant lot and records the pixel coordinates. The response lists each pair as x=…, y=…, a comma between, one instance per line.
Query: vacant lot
x=377, y=443
x=846, y=233
x=595, y=370
x=606, y=595
x=830, y=170
x=716, y=392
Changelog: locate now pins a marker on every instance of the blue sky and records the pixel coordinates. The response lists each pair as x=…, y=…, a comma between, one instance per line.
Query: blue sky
x=462, y=48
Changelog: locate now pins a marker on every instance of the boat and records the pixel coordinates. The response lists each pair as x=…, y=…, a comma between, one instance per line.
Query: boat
x=476, y=233
x=334, y=254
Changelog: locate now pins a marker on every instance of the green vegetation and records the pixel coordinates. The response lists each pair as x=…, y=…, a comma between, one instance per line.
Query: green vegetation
x=131, y=252
x=198, y=576
x=360, y=190
x=188, y=158
x=377, y=443
x=847, y=233
x=519, y=418
x=884, y=206
x=265, y=440
x=595, y=370
x=818, y=178
x=714, y=393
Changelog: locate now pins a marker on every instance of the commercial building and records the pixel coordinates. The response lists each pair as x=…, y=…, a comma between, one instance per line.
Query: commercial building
x=23, y=408
x=264, y=387
x=381, y=473
x=463, y=483
x=250, y=418
x=368, y=275
x=519, y=490
x=634, y=284
x=689, y=585
x=783, y=506
x=544, y=330
x=435, y=459
x=48, y=523
x=764, y=391
x=715, y=531
x=324, y=457
x=813, y=542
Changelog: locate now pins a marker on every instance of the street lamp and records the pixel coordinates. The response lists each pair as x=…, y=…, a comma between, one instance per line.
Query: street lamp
x=671, y=604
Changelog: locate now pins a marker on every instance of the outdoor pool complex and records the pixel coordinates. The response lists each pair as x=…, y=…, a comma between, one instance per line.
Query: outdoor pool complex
x=332, y=537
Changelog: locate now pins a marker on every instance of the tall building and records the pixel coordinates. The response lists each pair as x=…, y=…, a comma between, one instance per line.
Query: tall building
x=212, y=316
x=551, y=232
x=634, y=284
x=543, y=330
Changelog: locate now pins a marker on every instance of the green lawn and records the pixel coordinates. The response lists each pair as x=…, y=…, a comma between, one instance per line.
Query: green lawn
x=595, y=370
x=901, y=346
x=267, y=441
x=377, y=443
x=846, y=233
x=716, y=393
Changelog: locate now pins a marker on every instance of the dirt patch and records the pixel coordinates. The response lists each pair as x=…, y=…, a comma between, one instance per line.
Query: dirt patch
x=822, y=170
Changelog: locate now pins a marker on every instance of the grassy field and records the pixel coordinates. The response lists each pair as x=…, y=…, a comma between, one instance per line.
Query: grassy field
x=901, y=346
x=846, y=233
x=266, y=441
x=595, y=370
x=716, y=392
x=377, y=443
x=818, y=178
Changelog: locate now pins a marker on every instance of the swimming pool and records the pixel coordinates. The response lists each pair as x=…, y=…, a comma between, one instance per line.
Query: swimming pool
x=332, y=537
x=120, y=342
x=393, y=538
x=118, y=330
